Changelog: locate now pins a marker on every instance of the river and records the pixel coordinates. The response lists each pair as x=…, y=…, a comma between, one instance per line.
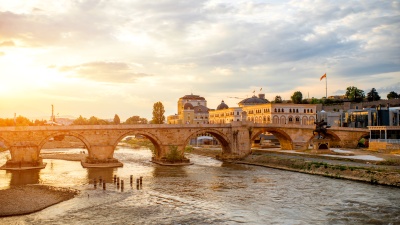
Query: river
x=208, y=192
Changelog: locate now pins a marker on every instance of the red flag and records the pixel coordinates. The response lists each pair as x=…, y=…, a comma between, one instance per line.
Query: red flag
x=323, y=76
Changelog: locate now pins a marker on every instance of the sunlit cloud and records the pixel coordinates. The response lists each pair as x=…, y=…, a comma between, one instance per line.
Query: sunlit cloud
x=114, y=72
x=141, y=52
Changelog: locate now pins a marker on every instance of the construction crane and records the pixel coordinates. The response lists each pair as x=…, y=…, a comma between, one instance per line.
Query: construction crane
x=235, y=97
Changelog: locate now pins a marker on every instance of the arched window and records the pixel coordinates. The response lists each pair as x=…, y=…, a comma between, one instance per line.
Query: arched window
x=304, y=110
x=308, y=110
x=297, y=119
x=290, y=119
x=268, y=119
x=311, y=110
x=282, y=120
x=290, y=110
x=279, y=110
x=297, y=110
x=283, y=110
x=276, y=120
x=275, y=109
x=305, y=120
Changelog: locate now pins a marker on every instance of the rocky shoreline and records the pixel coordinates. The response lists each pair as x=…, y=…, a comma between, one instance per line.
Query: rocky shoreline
x=339, y=169
x=20, y=200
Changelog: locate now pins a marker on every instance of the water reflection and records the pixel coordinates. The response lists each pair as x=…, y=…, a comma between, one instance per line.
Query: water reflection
x=169, y=171
x=106, y=174
x=24, y=177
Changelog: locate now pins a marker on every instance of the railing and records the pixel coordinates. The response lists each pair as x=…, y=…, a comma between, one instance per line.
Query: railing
x=393, y=141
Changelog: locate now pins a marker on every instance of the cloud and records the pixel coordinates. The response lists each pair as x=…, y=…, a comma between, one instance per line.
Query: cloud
x=110, y=72
x=7, y=44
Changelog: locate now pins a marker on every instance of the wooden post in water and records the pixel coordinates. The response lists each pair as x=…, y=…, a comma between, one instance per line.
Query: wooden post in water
x=95, y=183
x=131, y=180
x=115, y=178
x=122, y=185
x=104, y=186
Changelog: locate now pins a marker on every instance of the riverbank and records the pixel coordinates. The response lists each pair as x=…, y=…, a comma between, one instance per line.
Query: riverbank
x=27, y=199
x=328, y=166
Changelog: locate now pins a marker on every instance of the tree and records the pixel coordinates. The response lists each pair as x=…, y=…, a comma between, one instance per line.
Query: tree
x=354, y=94
x=116, y=119
x=315, y=100
x=392, y=95
x=158, y=113
x=278, y=99
x=136, y=120
x=373, y=95
x=80, y=121
x=297, y=97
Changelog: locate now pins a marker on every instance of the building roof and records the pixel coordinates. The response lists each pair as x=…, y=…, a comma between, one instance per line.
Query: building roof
x=188, y=106
x=222, y=106
x=193, y=97
x=253, y=101
x=200, y=109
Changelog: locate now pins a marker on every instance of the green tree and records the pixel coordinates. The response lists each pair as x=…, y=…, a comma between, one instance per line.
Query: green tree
x=80, y=121
x=158, y=113
x=354, y=94
x=392, y=95
x=315, y=100
x=23, y=121
x=116, y=119
x=297, y=97
x=278, y=99
x=373, y=95
x=136, y=120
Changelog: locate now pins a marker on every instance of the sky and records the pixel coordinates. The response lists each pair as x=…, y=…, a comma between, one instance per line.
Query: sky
x=101, y=58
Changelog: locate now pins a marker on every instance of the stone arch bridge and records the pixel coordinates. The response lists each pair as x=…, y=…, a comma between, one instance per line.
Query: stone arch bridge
x=25, y=142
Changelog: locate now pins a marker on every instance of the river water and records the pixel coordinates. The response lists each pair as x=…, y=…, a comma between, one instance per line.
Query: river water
x=208, y=192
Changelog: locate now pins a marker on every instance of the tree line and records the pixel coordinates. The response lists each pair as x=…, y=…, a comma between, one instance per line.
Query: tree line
x=158, y=118
x=353, y=94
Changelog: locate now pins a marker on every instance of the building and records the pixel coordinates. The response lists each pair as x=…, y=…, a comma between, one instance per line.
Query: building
x=192, y=109
x=260, y=110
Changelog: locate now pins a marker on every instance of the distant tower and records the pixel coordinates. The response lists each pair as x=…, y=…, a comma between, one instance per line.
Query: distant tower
x=52, y=113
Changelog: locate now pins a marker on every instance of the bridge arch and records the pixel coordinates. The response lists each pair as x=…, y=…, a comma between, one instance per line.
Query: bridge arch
x=284, y=139
x=221, y=137
x=5, y=142
x=61, y=133
x=154, y=140
x=335, y=140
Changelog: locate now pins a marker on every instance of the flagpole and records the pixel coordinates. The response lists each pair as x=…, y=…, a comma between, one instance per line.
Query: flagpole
x=326, y=87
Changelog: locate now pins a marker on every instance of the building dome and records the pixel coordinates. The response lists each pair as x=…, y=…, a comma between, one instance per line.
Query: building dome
x=222, y=106
x=188, y=106
x=253, y=101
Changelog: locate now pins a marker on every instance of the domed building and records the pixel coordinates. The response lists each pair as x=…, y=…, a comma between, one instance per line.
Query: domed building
x=222, y=106
x=260, y=110
x=224, y=114
x=192, y=109
x=254, y=100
